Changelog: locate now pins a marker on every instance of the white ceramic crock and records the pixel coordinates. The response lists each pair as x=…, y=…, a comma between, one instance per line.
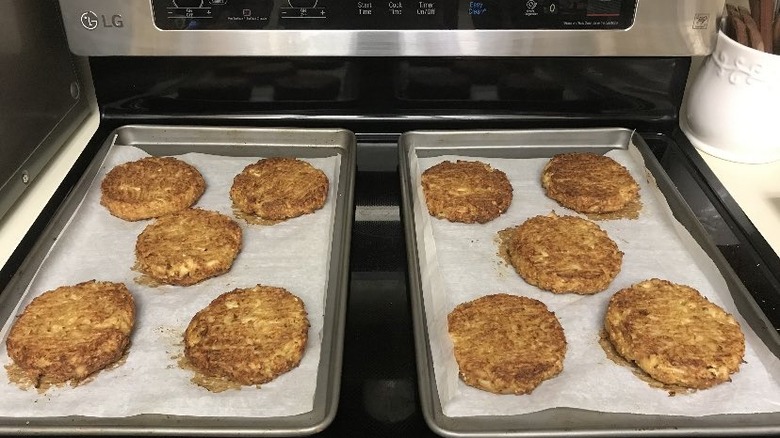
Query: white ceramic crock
x=733, y=104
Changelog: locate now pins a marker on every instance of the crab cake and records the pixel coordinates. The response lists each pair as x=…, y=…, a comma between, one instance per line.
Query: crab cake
x=248, y=336
x=506, y=344
x=151, y=187
x=187, y=247
x=466, y=191
x=563, y=254
x=276, y=189
x=674, y=334
x=69, y=333
x=589, y=183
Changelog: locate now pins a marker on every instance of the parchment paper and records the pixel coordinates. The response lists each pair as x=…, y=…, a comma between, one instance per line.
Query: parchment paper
x=294, y=254
x=460, y=262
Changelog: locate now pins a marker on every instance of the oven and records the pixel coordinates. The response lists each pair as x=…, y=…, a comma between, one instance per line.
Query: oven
x=379, y=70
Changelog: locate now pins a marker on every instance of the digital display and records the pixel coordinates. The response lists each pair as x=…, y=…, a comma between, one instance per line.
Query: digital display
x=393, y=14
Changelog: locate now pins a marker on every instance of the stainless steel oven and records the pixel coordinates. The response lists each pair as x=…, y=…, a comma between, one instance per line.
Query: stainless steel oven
x=379, y=70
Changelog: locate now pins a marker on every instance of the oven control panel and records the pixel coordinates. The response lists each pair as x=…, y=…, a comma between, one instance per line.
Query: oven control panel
x=393, y=14
x=404, y=28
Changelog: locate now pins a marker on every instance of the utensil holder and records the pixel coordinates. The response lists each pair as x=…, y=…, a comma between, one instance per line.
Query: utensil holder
x=733, y=104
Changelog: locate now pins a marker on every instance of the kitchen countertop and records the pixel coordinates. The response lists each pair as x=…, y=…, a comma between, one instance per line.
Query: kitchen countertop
x=756, y=189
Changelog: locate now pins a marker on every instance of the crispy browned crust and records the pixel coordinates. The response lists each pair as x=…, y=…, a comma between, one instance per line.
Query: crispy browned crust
x=674, y=334
x=564, y=254
x=248, y=336
x=506, y=344
x=279, y=188
x=589, y=183
x=151, y=187
x=466, y=191
x=68, y=333
x=187, y=247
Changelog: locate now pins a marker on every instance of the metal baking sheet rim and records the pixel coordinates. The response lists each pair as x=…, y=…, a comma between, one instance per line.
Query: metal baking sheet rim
x=314, y=142
x=567, y=421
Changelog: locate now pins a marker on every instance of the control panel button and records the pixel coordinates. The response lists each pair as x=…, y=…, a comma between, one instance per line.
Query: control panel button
x=426, y=8
x=364, y=9
x=487, y=14
x=362, y=14
x=551, y=8
x=303, y=14
x=395, y=8
x=246, y=14
x=419, y=14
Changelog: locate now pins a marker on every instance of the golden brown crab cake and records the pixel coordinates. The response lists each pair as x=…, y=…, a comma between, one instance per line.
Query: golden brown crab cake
x=674, y=334
x=276, y=189
x=466, y=191
x=563, y=254
x=248, y=336
x=506, y=344
x=71, y=332
x=151, y=187
x=589, y=183
x=187, y=247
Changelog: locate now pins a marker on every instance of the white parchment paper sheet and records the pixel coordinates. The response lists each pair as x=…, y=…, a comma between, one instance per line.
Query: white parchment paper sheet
x=294, y=254
x=460, y=262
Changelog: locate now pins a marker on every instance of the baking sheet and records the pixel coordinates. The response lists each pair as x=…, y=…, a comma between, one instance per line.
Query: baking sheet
x=302, y=255
x=459, y=262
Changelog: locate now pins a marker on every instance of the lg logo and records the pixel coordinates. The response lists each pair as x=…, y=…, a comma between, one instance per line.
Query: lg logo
x=91, y=20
